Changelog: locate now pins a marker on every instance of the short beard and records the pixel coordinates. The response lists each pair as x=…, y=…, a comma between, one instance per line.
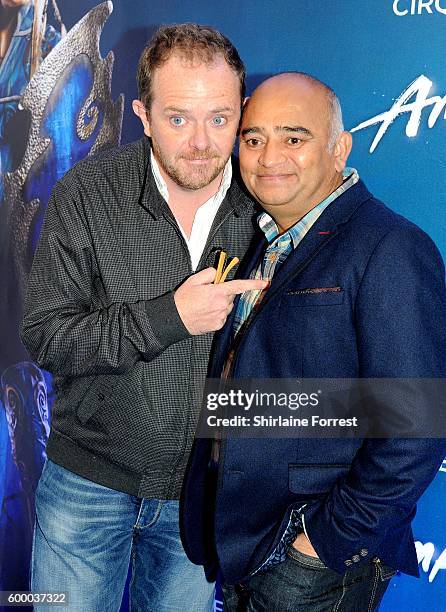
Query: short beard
x=199, y=178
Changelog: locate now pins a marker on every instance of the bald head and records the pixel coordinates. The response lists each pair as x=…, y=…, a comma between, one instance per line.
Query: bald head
x=296, y=82
x=293, y=149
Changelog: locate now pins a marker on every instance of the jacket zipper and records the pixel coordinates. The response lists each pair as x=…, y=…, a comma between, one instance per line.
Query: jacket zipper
x=203, y=257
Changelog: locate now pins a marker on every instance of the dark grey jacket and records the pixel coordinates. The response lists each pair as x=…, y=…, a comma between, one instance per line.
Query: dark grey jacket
x=100, y=316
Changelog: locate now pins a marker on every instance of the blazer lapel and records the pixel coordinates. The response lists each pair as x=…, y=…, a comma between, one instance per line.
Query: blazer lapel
x=320, y=234
x=323, y=231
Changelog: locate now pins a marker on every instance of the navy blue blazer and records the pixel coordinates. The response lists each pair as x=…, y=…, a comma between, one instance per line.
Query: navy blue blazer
x=387, y=320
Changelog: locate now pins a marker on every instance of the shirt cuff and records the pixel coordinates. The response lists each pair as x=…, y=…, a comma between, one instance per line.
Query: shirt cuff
x=165, y=320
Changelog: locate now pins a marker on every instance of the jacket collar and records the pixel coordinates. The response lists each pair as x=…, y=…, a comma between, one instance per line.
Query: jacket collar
x=326, y=226
x=150, y=199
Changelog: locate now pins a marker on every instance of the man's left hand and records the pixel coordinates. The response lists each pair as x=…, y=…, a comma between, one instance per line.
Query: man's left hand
x=303, y=545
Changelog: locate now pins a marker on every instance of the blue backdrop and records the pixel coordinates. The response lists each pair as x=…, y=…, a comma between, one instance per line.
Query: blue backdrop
x=385, y=59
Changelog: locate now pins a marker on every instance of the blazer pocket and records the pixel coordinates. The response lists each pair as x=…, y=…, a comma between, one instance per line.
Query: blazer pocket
x=327, y=296
x=315, y=478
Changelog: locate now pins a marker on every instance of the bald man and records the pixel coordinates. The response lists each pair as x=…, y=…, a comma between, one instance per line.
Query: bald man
x=355, y=291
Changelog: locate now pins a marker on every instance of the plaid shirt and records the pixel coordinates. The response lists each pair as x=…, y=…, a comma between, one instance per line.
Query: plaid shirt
x=281, y=245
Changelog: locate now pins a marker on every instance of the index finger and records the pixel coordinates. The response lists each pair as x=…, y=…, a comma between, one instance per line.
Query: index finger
x=240, y=286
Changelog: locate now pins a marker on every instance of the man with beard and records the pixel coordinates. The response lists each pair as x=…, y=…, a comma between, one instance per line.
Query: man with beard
x=115, y=311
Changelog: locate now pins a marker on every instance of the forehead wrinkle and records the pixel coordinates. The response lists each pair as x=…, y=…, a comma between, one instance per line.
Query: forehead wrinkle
x=188, y=111
x=175, y=109
x=188, y=102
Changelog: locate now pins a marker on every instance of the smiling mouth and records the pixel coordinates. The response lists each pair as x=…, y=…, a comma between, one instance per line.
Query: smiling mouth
x=273, y=177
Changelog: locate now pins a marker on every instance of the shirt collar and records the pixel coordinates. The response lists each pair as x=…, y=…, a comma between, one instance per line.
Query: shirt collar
x=217, y=198
x=271, y=230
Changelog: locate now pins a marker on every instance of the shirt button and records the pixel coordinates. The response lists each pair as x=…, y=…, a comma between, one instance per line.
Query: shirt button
x=348, y=562
x=363, y=552
x=356, y=558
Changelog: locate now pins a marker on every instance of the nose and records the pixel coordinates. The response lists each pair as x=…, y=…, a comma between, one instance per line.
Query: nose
x=199, y=139
x=271, y=154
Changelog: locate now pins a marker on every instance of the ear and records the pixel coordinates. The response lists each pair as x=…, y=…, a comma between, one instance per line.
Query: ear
x=141, y=112
x=342, y=150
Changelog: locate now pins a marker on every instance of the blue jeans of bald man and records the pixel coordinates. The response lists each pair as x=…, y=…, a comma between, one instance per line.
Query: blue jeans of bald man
x=85, y=537
x=304, y=584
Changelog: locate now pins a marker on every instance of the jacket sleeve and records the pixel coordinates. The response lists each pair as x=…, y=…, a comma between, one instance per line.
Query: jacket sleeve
x=67, y=328
x=400, y=318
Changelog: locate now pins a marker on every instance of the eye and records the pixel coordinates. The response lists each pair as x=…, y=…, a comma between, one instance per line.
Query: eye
x=219, y=120
x=253, y=142
x=293, y=140
x=177, y=121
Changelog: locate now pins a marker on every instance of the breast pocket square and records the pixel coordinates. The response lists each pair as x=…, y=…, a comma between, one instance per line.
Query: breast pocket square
x=314, y=296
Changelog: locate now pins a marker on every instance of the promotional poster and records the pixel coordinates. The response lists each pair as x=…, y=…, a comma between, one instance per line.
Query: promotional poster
x=67, y=81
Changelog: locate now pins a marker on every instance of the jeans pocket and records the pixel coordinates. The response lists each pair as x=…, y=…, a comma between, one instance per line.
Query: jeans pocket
x=385, y=571
x=305, y=560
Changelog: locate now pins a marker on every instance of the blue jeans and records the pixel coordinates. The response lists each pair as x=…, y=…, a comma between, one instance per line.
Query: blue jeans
x=304, y=584
x=85, y=537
